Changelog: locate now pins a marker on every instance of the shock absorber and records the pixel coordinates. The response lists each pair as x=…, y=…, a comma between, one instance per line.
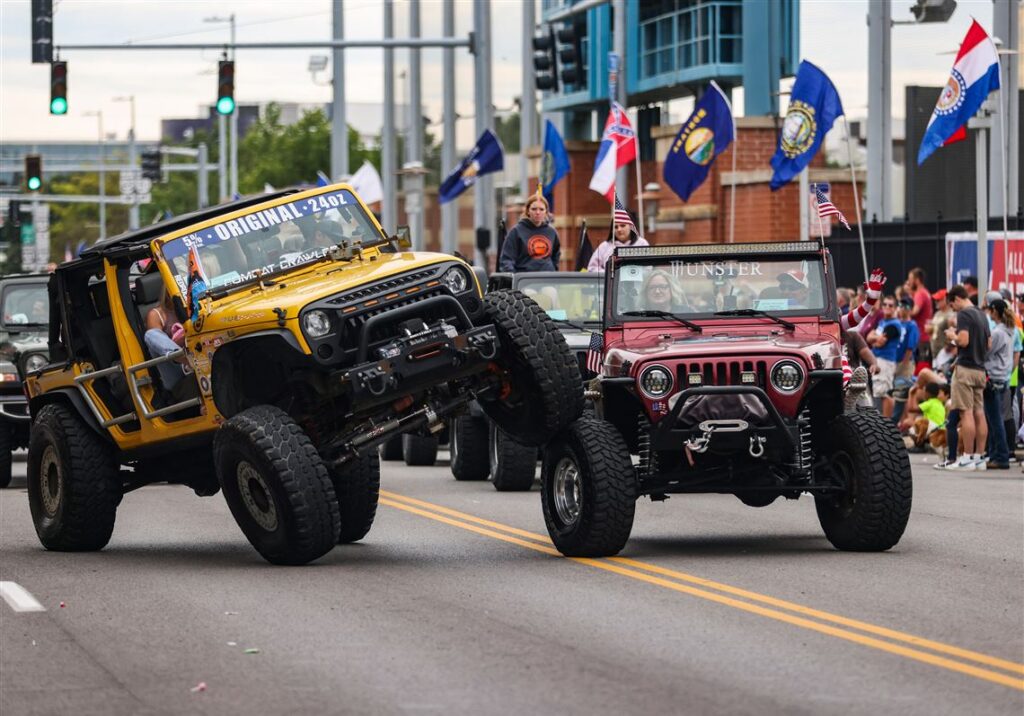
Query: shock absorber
x=804, y=452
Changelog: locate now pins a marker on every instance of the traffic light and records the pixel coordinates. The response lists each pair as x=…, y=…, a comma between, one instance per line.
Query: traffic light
x=13, y=213
x=33, y=172
x=42, y=31
x=933, y=10
x=226, y=86
x=569, y=56
x=545, y=65
x=58, y=88
x=151, y=164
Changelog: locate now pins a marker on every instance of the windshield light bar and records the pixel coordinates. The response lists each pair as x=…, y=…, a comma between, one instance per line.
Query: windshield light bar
x=764, y=247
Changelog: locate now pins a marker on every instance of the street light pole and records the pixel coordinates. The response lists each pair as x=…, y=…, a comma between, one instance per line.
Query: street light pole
x=98, y=114
x=339, y=116
x=388, y=166
x=133, y=211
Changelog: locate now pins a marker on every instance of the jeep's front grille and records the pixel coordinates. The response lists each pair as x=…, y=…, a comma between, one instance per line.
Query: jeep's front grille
x=723, y=372
x=382, y=287
x=386, y=331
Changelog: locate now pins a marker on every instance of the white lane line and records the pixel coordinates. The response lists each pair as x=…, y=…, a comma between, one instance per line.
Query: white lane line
x=19, y=598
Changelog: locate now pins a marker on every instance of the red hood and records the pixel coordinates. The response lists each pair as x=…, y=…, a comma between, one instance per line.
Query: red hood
x=721, y=340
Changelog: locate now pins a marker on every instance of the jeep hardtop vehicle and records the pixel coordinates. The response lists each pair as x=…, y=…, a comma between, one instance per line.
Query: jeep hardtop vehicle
x=307, y=337
x=24, y=315
x=722, y=373
x=479, y=449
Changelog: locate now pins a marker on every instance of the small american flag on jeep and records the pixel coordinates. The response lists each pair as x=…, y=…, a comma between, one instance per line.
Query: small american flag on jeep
x=594, y=352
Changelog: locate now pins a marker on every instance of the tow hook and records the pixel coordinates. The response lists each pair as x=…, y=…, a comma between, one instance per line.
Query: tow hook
x=709, y=427
x=757, y=445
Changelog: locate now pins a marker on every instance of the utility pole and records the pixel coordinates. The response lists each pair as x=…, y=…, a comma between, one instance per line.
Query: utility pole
x=527, y=101
x=414, y=166
x=133, y=162
x=339, y=118
x=1005, y=144
x=619, y=43
x=483, y=209
x=449, y=211
x=389, y=212
x=980, y=123
x=202, y=177
x=222, y=158
x=98, y=114
x=879, y=203
x=234, y=122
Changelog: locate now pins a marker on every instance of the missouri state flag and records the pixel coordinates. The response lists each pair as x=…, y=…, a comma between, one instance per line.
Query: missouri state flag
x=703, y=136
x=975, y=73
x=618, y=147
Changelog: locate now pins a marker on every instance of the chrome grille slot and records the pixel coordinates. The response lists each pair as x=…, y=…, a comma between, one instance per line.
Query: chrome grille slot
x=382, y=287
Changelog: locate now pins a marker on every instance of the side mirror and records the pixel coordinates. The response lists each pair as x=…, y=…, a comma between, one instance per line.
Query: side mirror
x=402, y=238
x=180, y=312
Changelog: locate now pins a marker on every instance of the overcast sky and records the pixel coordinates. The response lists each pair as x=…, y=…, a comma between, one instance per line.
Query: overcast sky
x=833, y=34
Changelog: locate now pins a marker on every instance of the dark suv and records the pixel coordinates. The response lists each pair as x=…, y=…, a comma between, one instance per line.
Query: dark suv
x=722, y=373
x=24, y=317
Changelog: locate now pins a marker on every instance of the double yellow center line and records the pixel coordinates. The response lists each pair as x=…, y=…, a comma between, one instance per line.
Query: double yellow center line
x=946, y=656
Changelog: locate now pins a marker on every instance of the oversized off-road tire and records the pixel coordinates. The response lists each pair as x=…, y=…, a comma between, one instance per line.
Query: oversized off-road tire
x=391, y=449
x=468, y=447
x=868, y=457
x=6, y=448
x=545, y=391
x=276, y=485
x=357, y=485
x=419, y=451
x=588, y=490
x=73, y=485
x=512, y=464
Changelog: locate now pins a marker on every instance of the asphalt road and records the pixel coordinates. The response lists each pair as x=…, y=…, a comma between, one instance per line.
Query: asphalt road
x=456, y=603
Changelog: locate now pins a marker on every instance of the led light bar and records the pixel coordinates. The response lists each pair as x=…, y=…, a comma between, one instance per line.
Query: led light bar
x=748, y=377
x=764, y=247
x=694, y=379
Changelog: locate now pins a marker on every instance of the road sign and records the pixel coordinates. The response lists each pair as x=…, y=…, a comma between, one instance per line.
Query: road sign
x=132, y=182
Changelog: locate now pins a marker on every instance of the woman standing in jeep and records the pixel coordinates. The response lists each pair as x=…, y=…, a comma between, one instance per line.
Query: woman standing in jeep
x=620, y=233
x=532, y=244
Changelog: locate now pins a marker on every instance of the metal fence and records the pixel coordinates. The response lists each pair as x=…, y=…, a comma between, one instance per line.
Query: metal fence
x=897, y=247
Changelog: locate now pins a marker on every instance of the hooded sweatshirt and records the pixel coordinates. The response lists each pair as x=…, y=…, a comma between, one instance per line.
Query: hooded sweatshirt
x=530, y=248
x=604, y=252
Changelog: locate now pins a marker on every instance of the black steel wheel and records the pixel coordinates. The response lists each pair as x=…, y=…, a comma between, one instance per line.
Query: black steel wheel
x=276, y=485
x=73, y=486
x=588, y=490
x=868, y=458
x=357, y=486
x=468, y=448
x=419, y=450
x=512, y=464
x=544, y=391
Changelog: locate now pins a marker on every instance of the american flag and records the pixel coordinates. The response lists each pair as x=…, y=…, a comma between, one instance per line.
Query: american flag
x=826, y=208
x=594, y=357
x=621, y=216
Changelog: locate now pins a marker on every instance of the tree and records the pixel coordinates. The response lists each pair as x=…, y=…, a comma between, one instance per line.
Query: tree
x=507, y=130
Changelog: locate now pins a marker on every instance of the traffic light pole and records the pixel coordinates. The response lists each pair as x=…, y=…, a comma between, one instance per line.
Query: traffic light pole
x=339, y=114
x=483, y=209
x=388, y=167
x=222, y=158
x=450, y=210
x=414, y=143
x=527, y=103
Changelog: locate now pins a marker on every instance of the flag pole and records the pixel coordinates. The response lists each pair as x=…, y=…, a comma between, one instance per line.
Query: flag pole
x=856, y=198
x=732, y=184
x=1004, y=143
x=817, y=210
x=639, y=187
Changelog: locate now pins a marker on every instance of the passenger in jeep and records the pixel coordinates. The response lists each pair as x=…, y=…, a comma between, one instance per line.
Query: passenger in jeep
x=662, y=293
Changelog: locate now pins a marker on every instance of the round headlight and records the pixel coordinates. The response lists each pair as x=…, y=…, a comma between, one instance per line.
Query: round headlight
x=656, y=381
x=316, y=324
x=35, y=361
x=455, y=279
x=787, y=376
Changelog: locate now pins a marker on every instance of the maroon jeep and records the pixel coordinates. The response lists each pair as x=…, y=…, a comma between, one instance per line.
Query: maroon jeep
x=721, y=372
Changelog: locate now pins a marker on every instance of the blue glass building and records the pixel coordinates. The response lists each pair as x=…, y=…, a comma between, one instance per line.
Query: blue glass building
x=674, y=47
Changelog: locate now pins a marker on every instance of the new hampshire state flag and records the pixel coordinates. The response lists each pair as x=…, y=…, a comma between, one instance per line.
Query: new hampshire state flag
x=703, y=136
x=485, y=157
x=813, y=106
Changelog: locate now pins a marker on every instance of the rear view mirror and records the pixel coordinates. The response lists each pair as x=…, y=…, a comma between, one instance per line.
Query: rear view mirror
x=403, y=238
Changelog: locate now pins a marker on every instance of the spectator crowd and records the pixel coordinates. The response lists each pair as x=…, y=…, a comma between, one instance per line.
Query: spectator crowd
x=944, y=366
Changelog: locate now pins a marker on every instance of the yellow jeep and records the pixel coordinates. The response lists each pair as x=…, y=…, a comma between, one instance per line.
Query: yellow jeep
x=264, y=348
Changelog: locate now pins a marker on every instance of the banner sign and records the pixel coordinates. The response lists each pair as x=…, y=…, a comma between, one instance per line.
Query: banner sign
x=962, y=259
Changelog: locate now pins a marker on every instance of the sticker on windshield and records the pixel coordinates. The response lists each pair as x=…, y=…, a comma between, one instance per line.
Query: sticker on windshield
x=631, y=273
x=558, y=314
x=771, y=304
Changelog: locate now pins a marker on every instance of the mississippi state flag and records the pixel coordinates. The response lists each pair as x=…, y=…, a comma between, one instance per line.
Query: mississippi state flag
x=975, y=73
x=618, y=147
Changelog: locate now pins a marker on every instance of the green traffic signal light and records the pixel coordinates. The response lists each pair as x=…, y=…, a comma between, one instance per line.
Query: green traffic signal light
x=225, y=105
x=58, y=105
x=34, y=183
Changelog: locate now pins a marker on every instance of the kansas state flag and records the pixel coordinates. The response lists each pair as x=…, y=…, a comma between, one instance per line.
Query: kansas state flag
x=813, y=107
x=704, y=136
x=554, y=162
x=486, y=157
x=975, y=73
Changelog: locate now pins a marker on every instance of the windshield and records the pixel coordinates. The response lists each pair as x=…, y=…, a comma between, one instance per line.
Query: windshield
x=25, y=305
x=266, y=241
x=703, y=287
x=575, y=300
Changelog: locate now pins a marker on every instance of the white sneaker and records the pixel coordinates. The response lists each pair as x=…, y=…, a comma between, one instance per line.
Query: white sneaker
x=965, y=464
